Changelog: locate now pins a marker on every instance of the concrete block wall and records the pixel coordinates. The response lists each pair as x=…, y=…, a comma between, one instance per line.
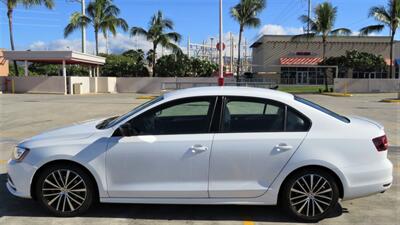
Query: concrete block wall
x=366, y=85
x=35, y=84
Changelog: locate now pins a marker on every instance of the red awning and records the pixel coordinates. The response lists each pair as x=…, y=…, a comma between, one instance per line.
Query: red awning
x=300, y=61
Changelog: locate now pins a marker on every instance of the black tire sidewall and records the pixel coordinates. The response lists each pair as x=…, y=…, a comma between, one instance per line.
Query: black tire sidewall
x=285, y=195
x=86, y=178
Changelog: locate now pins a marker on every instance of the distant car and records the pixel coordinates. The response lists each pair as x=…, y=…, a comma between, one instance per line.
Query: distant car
x=211, y=145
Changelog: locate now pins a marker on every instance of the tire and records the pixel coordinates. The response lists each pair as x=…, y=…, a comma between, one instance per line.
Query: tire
x=305, y=205
x=65, y=190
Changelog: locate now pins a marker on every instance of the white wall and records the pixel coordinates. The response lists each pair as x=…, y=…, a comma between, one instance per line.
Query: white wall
x=37, y=84
x=154, y=84
x=84, y=81
x=366, y=85
x=106, y=84
x=148, y=85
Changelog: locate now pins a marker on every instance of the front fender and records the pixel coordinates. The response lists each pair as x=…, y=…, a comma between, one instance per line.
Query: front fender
x=92, y=157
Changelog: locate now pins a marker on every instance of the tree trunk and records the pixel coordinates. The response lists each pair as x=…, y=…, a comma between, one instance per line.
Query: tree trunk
x=154, y=60
x=239, y=48
x=391, y=75
x=96, y=37
x=323, y=58
x=10, y=28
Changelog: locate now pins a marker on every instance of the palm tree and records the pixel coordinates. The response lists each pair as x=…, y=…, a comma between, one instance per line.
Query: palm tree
x=157, y=34
x=322, y=24
x=11, y=5
x=149, y=57
x=390, y=17
x=102, y=15
x=245, y=13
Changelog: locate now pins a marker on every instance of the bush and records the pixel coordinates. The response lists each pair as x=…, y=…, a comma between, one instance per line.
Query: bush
x=358, y=61
x=179, y=65
x=123, y=66
x=44, y=69
x=12, y=71
x=203, y=68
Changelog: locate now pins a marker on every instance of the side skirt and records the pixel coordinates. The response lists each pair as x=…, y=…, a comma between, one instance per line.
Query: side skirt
x=188, y=201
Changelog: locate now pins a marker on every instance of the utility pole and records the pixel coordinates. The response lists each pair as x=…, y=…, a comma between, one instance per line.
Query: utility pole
x=221, y=62
x=203, y=50
x=83, y=8
x=211, y=50
x=232, y=52
x=309, y=15
x=188, y=47
x=83, y=28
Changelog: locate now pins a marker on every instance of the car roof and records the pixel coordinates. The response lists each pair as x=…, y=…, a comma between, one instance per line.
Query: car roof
x=229, y=91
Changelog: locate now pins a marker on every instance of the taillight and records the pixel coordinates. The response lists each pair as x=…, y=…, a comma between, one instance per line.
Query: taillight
x=381, y=143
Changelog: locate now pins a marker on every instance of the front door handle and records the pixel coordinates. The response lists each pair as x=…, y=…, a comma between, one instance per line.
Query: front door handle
x=198, y=148
x=283, y=147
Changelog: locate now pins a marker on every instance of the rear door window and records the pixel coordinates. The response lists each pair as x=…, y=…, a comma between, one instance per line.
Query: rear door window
x=296, y=122
x=252, y=115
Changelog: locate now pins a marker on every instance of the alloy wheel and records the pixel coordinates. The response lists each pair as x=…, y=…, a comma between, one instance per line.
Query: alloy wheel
x=64, y=190
x=311, y=195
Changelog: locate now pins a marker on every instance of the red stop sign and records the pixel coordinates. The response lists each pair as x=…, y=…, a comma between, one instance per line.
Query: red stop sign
x=223, y=46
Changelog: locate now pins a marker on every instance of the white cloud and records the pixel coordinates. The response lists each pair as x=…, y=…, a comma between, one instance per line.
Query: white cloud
x=274, y=29
x=119, y=43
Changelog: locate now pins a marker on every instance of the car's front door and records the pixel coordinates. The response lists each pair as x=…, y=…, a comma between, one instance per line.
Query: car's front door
x=257, y=138
x=166, y=154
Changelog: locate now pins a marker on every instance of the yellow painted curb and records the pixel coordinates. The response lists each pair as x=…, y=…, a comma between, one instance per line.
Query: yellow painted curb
x=334, y=94
x=146, y=97
x=3, y=161
x=391, y=100
x=248, y=222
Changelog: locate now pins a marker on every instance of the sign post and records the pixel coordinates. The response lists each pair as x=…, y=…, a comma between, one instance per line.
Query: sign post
x=221, y=61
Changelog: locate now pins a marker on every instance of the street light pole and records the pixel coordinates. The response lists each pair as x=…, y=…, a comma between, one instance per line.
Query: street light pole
x=221, y=61
x=309, y=15
x=83, y=28
x=83, y=5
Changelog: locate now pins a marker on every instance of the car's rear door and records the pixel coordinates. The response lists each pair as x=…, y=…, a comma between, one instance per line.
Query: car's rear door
x=254, y=143
x=168, y=156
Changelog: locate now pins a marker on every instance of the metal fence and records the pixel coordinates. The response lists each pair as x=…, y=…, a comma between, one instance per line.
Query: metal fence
x=166, y=86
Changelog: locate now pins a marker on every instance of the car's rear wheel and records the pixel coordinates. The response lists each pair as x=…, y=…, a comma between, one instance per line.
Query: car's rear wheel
x=65, y=190
x=310, y=195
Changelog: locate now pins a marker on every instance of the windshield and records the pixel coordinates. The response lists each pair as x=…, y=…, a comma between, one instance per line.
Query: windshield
x=322, y=109
x=115, y=120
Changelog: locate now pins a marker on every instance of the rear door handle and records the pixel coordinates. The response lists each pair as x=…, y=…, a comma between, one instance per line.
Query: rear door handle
x=283, y=147
x=198, y=148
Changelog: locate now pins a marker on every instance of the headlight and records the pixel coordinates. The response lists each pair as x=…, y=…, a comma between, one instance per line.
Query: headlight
x=19, y=153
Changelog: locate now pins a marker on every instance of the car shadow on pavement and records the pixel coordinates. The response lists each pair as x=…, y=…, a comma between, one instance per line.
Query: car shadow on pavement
x=16, y=207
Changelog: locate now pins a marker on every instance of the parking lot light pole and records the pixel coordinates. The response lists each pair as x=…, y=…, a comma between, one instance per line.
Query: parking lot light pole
x=83, y=5
x=221, y=61
x=83, y=28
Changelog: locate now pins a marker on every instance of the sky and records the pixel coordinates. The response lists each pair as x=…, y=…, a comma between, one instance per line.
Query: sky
x=38, y=28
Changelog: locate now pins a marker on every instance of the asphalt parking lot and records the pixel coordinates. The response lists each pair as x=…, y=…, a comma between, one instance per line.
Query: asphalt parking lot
x=24, y=115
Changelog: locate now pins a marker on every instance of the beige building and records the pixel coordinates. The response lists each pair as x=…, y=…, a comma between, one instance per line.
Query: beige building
x=296, y=62
x=3, y=64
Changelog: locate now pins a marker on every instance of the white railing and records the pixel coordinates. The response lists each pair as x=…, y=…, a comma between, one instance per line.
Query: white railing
x=175, y=85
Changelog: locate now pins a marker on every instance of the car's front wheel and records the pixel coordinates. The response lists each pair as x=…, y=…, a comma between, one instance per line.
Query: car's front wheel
x=310, y=195
x=65, y=190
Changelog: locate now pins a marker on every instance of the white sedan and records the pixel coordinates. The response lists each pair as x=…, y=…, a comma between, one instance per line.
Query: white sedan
x=212, y=145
